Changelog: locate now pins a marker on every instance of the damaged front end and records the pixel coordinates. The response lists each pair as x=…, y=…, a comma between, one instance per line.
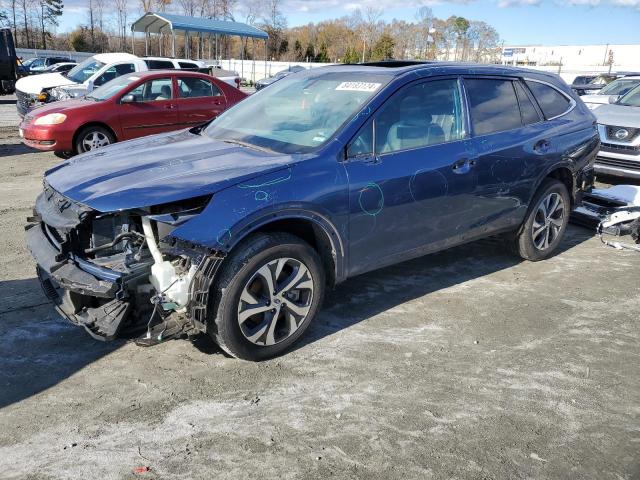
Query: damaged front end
x=115, y=274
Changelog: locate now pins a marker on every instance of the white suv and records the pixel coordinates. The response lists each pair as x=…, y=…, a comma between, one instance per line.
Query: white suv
x=93, y=72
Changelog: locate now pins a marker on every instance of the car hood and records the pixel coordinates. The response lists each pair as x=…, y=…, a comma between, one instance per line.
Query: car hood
x=587, y=86
x=61, y=106
x=159, y=169
x=618, y=115
x=36, y=83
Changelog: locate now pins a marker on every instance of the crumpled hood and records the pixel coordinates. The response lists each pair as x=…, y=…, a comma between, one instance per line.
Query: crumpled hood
x=618, y=115
x=159, y=169
x=36, y=83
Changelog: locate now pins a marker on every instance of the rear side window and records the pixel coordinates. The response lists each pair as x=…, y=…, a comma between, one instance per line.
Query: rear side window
x=159, y=64
x=188, y=66
x=527, y=110
x=493, y=105
x=191, y=87
x=551, y=101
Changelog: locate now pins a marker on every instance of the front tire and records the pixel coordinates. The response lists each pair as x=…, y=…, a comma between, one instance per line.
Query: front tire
x=268, y=292
x=93, y=137
x=546, y=222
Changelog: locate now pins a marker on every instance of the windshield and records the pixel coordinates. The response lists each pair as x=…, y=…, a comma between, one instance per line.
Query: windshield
x=299, y=113
x=619, y=87
x=601, y=80
x=84, y=70
x=631, y=99
x=111, y=88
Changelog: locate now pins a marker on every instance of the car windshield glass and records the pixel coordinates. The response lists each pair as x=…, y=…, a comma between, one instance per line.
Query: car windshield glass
x=632, y=98
x=299, y=113
x=84, y=70
x=619, y=87
x=111, y=88
x=601, y=80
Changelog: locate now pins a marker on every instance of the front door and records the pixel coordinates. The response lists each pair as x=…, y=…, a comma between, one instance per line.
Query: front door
x=155, y=109
x=412, y=178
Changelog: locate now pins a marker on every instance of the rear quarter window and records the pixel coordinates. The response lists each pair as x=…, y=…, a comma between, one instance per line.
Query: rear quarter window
x=159, y=64
x=188, y=66
x=551, y=101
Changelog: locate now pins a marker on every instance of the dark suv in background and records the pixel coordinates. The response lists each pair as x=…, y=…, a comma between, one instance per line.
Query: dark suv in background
x=237, y=229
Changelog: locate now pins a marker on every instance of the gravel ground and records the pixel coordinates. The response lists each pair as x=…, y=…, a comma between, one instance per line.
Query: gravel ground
x=468, y=364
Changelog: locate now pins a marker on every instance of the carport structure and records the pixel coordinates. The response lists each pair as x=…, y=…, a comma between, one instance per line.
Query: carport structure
x=207, y=30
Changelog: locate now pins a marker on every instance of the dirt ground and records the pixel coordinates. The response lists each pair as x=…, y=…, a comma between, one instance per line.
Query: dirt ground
x=468, y=364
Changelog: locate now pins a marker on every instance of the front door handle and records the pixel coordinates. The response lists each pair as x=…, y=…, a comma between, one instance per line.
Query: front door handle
x=463, y=165
x=170, y=106
x=542, y=146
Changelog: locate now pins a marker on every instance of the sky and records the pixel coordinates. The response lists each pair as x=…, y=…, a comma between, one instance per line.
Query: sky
x=519, y=22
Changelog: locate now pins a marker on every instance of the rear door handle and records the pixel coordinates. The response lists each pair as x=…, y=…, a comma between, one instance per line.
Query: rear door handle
x=170, y=106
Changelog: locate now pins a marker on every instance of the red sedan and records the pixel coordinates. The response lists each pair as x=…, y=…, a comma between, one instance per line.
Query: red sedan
x=128, y=107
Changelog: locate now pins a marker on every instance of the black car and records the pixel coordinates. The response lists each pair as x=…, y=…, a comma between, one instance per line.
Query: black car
x=8, y=62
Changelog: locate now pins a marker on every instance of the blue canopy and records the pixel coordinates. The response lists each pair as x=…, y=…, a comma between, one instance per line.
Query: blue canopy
x=160, y=22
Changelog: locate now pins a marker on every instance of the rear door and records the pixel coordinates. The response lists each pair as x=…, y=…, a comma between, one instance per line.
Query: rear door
x=199, y=100
x=508, y=139
x=154, y=111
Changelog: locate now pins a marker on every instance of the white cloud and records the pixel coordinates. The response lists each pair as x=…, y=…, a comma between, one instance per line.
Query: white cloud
x=518, y=3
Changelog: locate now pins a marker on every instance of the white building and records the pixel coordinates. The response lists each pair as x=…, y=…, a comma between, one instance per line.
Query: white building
x=619, y=56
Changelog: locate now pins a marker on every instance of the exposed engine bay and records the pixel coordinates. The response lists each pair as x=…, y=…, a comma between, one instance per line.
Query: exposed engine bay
x=121, y=273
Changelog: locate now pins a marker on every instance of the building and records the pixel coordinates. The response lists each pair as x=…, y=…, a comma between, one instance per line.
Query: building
x=619, y=57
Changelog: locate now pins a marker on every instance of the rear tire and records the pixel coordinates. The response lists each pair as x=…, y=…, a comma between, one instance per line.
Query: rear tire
x=63, y=155
x=546, y=222
x=268, y=292
x=93, y=137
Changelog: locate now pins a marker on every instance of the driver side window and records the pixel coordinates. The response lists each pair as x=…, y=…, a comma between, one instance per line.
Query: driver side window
x=420, y=115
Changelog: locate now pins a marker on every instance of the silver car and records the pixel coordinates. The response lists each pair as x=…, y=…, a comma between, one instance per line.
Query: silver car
x=619, y=129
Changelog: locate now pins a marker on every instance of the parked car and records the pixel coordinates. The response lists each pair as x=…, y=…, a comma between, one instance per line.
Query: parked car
x=238, y=229
x=599, y=82
x=128, y=107
x=42, y=64
x=228, y=76
x=582, y=79
x=619, y=129
x=611, y=93
x=8, y=62
x=265, y=82
x=93, y=72
x=63, y=67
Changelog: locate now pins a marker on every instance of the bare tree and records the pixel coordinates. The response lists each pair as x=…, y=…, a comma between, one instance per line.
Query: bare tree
x=121, y=18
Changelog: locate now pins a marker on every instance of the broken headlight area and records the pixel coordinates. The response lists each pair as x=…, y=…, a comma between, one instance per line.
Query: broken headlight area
x=111, y=272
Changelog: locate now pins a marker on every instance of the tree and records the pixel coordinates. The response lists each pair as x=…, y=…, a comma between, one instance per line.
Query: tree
x=383, y=49
x=79, y=40
x=50, y=11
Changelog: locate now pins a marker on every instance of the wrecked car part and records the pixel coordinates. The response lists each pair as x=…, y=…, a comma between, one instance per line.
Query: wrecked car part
x=624, y=221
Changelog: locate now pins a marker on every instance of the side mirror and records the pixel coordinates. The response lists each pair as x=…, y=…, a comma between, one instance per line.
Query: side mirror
x=614, y=98
x=90, y=86
x=130, y=98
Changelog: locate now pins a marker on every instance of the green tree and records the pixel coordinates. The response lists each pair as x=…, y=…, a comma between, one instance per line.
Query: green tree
x=79, y=40
x=323, y=56
x=50, y=11
x=350, y=56
x=383, y=49
x=308, y=54
x=297, y=51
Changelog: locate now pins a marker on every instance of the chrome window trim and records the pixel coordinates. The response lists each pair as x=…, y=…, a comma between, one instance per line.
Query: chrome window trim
x=572, y=102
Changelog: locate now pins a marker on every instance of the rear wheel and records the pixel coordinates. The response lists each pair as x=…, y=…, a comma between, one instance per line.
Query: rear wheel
x=92, y=138
x=546, y=222
x=267, y=294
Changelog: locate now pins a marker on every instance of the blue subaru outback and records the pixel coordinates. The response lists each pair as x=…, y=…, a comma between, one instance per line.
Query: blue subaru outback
x=238, y=227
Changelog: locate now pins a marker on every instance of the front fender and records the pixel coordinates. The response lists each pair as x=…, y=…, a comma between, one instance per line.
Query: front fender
x=289, y=193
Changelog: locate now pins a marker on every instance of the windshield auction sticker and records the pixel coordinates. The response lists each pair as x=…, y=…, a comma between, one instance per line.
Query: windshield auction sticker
x=358, y=86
